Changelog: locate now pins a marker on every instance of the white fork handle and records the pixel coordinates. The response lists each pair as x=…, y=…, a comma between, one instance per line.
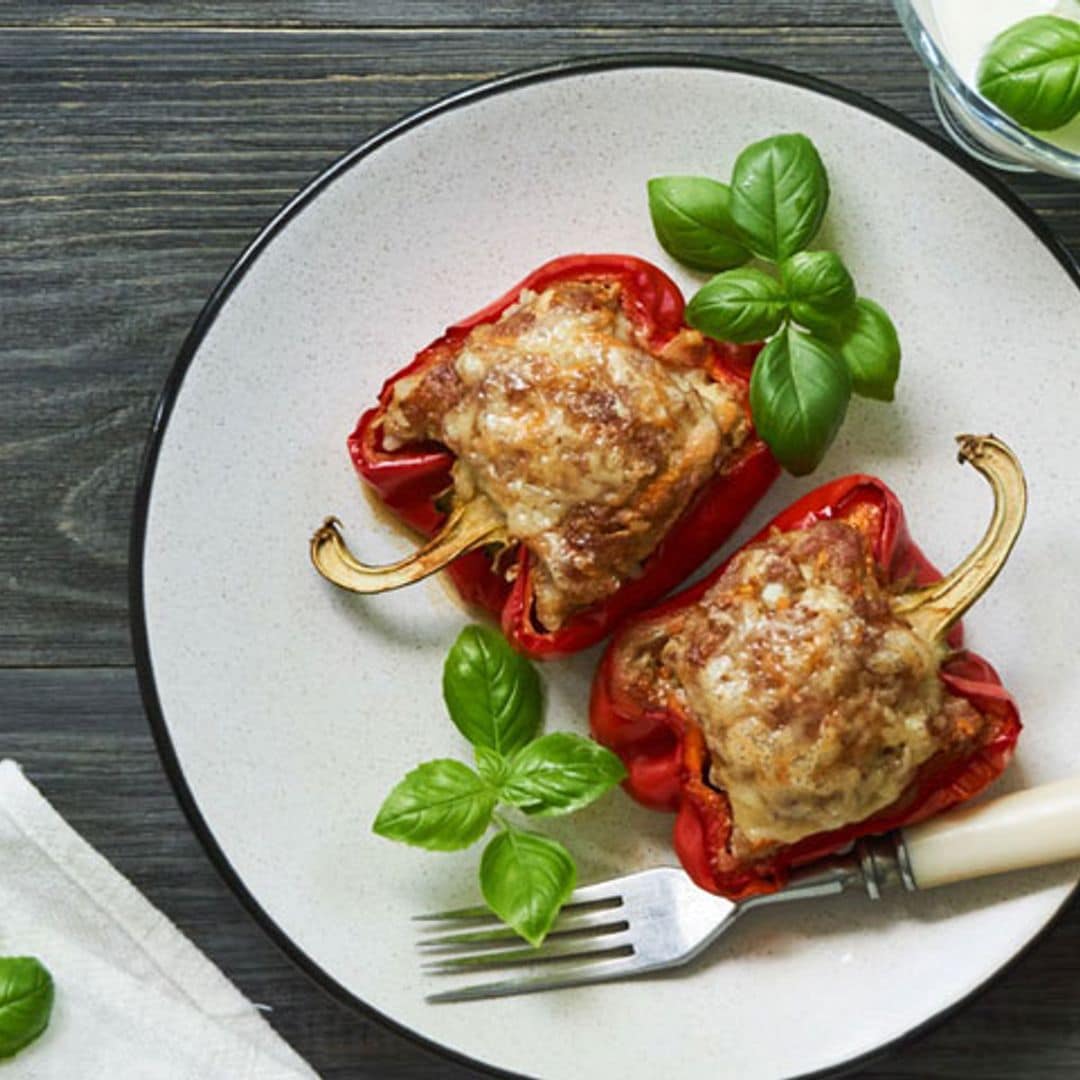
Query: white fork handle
x=1027, y=828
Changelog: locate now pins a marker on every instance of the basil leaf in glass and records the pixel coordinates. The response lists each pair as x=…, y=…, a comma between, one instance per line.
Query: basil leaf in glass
x=492, y=692
x=560, y=773
x=1031, y=72
x=779, y=193
x=799, y=393
x=26, y=1001
x=441, y=805
x=738, y=305
x=818, y=287
x=526, y=878
x=870, y=347
x=692, y=221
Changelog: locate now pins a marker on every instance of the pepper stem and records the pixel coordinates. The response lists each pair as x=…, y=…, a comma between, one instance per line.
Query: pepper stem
x=469, y=526
x=934, y=609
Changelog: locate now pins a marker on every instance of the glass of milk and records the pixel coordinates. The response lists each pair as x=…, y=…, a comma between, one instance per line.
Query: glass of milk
x=952, y=36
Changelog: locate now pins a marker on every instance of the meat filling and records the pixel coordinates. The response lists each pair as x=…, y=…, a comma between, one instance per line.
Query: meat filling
x=817, y=703
x=588, y=443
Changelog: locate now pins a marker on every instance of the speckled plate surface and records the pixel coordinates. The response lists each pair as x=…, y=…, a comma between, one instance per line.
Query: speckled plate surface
x=285, y=709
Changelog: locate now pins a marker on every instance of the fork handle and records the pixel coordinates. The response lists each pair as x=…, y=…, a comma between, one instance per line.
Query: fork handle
x=1027, y=828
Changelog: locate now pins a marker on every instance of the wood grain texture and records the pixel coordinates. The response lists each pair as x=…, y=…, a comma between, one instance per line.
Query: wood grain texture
x=142, y=145
x=514, y=14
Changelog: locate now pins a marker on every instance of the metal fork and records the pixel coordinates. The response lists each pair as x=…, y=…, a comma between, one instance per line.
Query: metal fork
x=648, y=921
x=659, y=919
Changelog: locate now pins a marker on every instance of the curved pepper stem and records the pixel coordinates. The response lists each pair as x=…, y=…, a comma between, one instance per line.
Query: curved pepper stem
x=934, y=609
x=474, y=524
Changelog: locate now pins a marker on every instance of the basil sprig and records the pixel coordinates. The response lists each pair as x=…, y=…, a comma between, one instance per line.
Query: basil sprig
x=494, y=699
x=26, y=1001
x=823, y=341
x=1031, y=72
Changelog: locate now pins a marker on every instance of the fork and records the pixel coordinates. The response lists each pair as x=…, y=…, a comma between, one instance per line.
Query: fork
x=657, y=919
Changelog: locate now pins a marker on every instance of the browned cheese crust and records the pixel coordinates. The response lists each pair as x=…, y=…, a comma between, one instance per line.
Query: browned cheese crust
x=818, y=704
x=590, y=445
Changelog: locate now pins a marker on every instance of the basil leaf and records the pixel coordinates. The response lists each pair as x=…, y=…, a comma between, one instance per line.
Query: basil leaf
x=819, y=288
x=526, y=878
x=441, y=805
x=693, y=223
x=560, y=773
x=493, y=766
x=26, y=1001
x=493, y=694
x=870, y=348
x=799, y=392
x=738, y=305
x=1031, y=72
x=779, y=192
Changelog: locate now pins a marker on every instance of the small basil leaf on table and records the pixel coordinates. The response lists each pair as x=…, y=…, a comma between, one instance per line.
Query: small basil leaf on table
x=870, y=347
x=692, y=221
x=26, y=1001
x=818, y=287
x=526, y=878
x=492, y=692
x=779, y=193
x=738, y=305
x=1032, y=72
x=560, y=773
x=799, y=392
x=441, y=805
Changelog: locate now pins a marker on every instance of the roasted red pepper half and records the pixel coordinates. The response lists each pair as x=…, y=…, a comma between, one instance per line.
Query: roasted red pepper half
x=665, y=749
x=487, y=568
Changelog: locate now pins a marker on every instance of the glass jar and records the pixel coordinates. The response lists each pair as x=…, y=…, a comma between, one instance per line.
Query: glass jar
x=973, y=122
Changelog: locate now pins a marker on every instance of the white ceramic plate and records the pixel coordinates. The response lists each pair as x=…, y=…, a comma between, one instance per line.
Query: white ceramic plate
x=285, y=709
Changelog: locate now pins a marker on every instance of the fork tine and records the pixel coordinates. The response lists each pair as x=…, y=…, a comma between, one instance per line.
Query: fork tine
x=596, y=921
x=555, y=977
x=602, y=892
x=592, y=945
x=479, y=912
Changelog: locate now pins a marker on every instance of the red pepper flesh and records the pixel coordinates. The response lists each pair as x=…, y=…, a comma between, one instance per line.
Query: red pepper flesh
x=667, y=758
x=409, y=480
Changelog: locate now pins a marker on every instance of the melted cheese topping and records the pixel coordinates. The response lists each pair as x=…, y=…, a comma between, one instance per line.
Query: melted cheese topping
x=817, y=703
x=590, y=445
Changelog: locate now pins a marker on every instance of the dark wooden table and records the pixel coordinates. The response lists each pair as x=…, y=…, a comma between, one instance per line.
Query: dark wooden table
x=142, y=144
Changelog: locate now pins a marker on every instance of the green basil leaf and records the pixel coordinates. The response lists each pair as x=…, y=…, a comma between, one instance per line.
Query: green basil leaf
x=1031, y=72
x=779, y=193
x=738, y=305
x=693, y=223
x=819, y=288
x=441, y=805
x=870, y=348
x=560, y=773
x=799, y=392
x=493, y=766
x=526, y=878
x=26, y=1001
x=492, y=692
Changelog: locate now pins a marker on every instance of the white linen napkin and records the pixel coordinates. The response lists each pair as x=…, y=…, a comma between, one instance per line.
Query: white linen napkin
x=134, y=997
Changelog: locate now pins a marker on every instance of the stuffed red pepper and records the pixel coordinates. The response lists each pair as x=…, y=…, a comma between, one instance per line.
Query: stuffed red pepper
x=573, y=451
x=813, y=689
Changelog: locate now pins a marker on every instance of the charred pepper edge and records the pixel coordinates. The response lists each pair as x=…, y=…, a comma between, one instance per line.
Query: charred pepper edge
x=665, y=752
